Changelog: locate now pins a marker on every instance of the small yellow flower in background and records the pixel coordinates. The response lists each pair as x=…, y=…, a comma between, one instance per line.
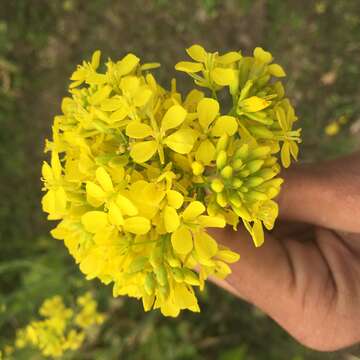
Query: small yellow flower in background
x=139, y=173
x=334, y=127
x=61, y=329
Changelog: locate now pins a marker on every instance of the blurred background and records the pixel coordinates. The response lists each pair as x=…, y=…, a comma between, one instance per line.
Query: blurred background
x=41, y=41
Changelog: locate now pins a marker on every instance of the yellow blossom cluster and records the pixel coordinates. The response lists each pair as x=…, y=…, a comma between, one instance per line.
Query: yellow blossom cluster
x=139, y=173
x=62, y=328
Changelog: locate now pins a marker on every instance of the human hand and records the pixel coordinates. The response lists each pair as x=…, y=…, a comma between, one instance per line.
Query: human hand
x=306, y=276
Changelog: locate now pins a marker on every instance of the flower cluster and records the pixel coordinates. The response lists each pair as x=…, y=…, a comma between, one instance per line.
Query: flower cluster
x=62, y=328
x=139, y=173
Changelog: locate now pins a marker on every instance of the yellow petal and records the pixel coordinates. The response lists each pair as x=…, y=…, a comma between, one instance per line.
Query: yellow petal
x=171, y=219
x=96, y=193
x=143, y=151
x=262, y=55
x=228, y=256
x=175, y=199
x=137, y=225
x=148, y=302
x=229, y=58
x=91, y=265
x=188, y=67
x=120, y=114
x=138, y=130
x=294, y=149
x=222, y=270
x=224, y=77
x=104, y=179
x=96, y=79
x=207, y=110
x=258, y=233
x=254, y=104
x=211, y=221
x=276, y=70
x=184, y=296
x=94, y=221
x=115, y=215
x=106, y=237
x=54, y=203
x=127, y=64
x=95, y=60
x=192, y=99
x=285, y=154
x=100, y=95
x=46, y=172
x=126, y=205
x=225, y=124
x=205, y=152
x=56, y=165
x=197, y=52
x=173, y=117
x=149, y=66
x=181, y=240
x=193, y=210
x=112, y=104
x=142, y=97
x=205, y=246
x=283, y=121
x=181, y=141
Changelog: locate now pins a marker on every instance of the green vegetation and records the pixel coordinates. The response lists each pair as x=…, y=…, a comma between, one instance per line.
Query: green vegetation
x=317, y=42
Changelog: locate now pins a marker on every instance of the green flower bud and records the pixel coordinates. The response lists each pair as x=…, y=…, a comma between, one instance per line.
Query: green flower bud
x=254, y=165
x=237, y=164
x=222, y=143
x=242, y=152
x=242, y=212
x=149, y=284
x=237, y=183
x=190, y=277
x=227, y=172
x=235, y=199
x=221, y=199
x=256, y=195
x=254, y=181
x=161, y=275
x=178, y=275
x=260, y=152
x=261, y=131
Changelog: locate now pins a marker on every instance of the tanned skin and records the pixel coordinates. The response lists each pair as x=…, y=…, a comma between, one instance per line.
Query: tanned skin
x=306, y=276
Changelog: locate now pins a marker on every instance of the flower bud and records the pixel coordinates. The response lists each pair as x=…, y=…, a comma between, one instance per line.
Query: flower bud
x=227, y=172
x=236, y=183
x=197, y=168
x=217, y=185
x=222, y=143
x=221, y=159
x=221, y=199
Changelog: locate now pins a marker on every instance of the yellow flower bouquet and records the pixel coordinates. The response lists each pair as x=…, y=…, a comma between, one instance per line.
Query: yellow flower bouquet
x=139, y=173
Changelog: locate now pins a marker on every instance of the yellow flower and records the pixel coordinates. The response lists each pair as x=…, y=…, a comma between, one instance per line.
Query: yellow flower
x=138, y=173
x=286, y=117
x=180, y=141
x=217, y=70
x=61, y=328
x=190, y=233
x=207, y=113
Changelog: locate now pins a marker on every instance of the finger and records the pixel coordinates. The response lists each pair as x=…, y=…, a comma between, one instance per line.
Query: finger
x=327, y=194
x=288, y=280
x=262, y=276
